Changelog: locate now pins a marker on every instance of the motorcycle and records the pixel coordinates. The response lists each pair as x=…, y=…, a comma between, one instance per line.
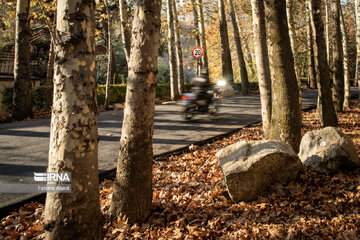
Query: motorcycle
x=195, y=104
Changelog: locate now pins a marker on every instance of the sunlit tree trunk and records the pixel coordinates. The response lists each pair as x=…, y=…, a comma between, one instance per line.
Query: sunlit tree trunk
x=132, y=195
x=74, y=132
x=204, y=59
x=197, y=31
x=179, y=56
x=286, y=114
x=110, y=57
x=292, y=35
x=51, y=61
x=327, y=31
x=227, y=71
x=346, y=61
x=22, y=103
x=337, y=67
x=310, y=51
x=357, y=71
x=262, y=63
x=174, y=85
x=240, y=54
x=125, y=31
x=325, y=107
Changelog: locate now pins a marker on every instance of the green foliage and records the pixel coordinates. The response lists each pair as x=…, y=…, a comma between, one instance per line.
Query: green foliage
x=164, y=72
x=7, y=96
x=42, y=97
x=117, y=93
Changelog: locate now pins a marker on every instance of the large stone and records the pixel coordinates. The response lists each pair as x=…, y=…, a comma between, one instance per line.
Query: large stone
x=328, y=150
x=250, y=167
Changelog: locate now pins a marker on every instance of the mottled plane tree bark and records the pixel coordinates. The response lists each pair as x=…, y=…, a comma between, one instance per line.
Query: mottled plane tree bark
x=74, y=132
x=196, y=31
x=347, y=90
x=174, y=85
x=179, y=56
x=125, y=31
x=337, y=66
x=325, y=104
x=132, y=195
x=204, y=59
x=286, y=113
x=239, y=51
x=262, y=63
x=227, y=71
x=310, y=50
x=22, y=96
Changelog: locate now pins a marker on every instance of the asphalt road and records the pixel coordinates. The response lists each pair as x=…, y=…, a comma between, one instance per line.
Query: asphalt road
x=24, y=145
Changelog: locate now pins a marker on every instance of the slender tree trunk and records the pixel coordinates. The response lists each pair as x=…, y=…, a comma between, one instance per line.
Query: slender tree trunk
x=125, y=31
x=50, y=66
x=338, y=67
x=240, y=54
x=357, y=71
x=325, y=107
x=197, y=32
x=327, y=31
x=179, y=56
x=174, y=85
x=311, y=60
x=227, y=71
x=262, y=63
x=22, y=97
x=249, y=58
x=114, y=73
x=286, y=113
x=132, y=195
x=110, y=57
x=204, y=59
x=346, y=61
x=292, y=34
x=74, y=132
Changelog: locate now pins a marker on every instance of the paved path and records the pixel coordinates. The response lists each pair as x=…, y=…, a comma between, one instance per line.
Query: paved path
x=24, y=145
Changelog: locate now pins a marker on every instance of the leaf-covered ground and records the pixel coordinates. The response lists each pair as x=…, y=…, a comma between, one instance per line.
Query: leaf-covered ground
x=190, y=200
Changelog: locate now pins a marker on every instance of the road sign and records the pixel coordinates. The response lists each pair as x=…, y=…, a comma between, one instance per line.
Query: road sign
x=197, y=52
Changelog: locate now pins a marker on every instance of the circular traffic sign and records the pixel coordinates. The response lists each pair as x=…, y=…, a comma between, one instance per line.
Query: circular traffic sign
x=197, y=52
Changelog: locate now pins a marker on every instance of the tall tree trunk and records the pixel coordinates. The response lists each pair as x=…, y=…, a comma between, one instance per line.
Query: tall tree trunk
x=326, y=107
x=286, y=114
x=125, y=31
x=133, y=185
x=292, y=34
x=338, y=67
x=179, y=56
x=110, y=57
x=204, y=59
x=51, y=61
x=74, y=132
x=346, y=61
x=262, y=63
x=227, y=71
x=240, y=54
x=197, y=32
x=310, y=52
x=174, y=85
x=249, y=58
x=357, y=71
x=22, y=99
x=327, y=31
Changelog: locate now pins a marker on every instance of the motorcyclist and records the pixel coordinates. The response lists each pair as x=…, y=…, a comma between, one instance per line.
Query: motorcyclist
x=201, y=87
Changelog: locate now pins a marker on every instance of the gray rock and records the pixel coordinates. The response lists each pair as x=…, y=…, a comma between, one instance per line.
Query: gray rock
x=328, y=150
x=250, y=167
